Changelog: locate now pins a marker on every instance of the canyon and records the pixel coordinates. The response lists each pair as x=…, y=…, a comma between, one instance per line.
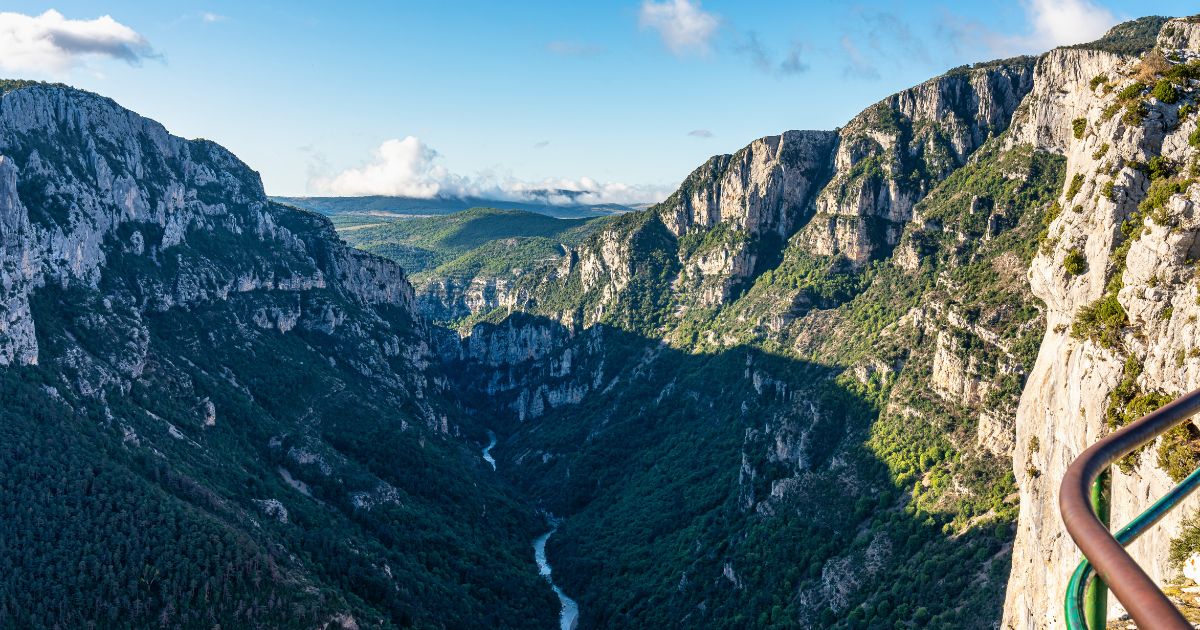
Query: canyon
x=832, y=381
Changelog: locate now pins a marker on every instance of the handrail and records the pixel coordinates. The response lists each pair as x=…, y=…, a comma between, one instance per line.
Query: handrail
x=1142, y=598
x=1128, y=534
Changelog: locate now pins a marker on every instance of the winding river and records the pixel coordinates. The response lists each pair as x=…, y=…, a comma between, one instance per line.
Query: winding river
x=568, y=616
x=487, y=450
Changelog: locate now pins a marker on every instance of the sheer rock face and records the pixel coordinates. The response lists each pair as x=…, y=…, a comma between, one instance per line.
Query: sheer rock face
x=1182, y=35
x=18, y=343
x=861, y=181
x=765, y=187
x=891, y=155
x=1062, y=409
x=734, y=213
x=758, y=197
x=447, y=299
x=956, y=378
x=85, y=182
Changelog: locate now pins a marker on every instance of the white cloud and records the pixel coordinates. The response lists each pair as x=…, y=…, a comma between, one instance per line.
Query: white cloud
x=700, y=133
x=684, y=27
x=1061, y=22
x=409, y=168
x=1049, y=23
x=52, y=44
x=404, y=168
x=212, y=18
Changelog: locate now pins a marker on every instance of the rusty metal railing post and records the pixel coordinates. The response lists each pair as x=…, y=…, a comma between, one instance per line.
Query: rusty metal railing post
x=1095, y=599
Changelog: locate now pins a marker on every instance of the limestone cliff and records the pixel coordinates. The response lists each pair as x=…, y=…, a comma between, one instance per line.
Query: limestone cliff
x=1128, y=222
x=234, y=391
x=79, y=175
x=1033, y=225
x=889, y=156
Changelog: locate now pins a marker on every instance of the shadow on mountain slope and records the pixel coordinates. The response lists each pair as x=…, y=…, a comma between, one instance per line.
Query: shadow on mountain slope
x=724, y=490
x=270, y=459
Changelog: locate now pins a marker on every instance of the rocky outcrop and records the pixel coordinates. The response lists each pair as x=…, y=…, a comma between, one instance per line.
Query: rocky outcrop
x=18, y=343
x=1181, y=36
x=1063, y=92
x=955, y=376
x=451, y=298
x=84, y=181
x=765, y=187
x=890, y=156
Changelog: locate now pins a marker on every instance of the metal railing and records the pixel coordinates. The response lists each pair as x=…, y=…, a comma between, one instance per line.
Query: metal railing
x=1083, y=502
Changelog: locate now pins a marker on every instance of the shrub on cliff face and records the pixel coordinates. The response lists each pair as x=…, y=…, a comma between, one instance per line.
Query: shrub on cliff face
x=1107, y=191
x=1160, y=167
x=1131, y=91
x=1076, y=184
x=1160, y=193
x=1101, y=322
x=1078, y=126
x=1075, y=263
x=1165, y=91
x=1180, y=73
x=1188, y=541
x=1135, y=113
x=1177, y=454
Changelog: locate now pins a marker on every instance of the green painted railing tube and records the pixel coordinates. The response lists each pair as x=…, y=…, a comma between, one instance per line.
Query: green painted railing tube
x=1095, y=599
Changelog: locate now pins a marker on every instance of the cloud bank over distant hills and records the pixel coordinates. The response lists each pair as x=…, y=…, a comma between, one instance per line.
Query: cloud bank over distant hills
x=407, y=167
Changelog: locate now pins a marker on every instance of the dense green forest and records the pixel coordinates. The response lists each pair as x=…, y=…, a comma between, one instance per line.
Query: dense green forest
x=245, y=477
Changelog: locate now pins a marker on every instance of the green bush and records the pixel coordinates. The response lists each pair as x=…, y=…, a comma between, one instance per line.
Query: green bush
x=1051, y=214
x=1101, y=322
x=1161, y=167
x=1135, y=113
x=1107, y=190
x=1132, y=91
x=1165, y=91
x=1194, y=138
x=1188, y=541
x=1076, y=184
x=1161, y=191
x=1097, y=81
x=1075, y=263
x=1184, y=71
x=1079, y=125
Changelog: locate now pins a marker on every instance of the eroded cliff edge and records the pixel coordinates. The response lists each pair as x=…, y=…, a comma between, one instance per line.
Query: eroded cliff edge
x=1125, y=245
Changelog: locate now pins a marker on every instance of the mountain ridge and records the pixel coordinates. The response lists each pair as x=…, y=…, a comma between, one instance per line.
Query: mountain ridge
x=831, y=382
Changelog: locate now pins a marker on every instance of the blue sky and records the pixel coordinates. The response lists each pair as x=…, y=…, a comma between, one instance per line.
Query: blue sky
x=620, y=97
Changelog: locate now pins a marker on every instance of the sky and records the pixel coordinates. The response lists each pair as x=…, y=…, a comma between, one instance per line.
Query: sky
x=620, y=98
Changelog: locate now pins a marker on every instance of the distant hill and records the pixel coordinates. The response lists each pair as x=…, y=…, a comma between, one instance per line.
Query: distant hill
x=423, y=243
x=376, y=204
